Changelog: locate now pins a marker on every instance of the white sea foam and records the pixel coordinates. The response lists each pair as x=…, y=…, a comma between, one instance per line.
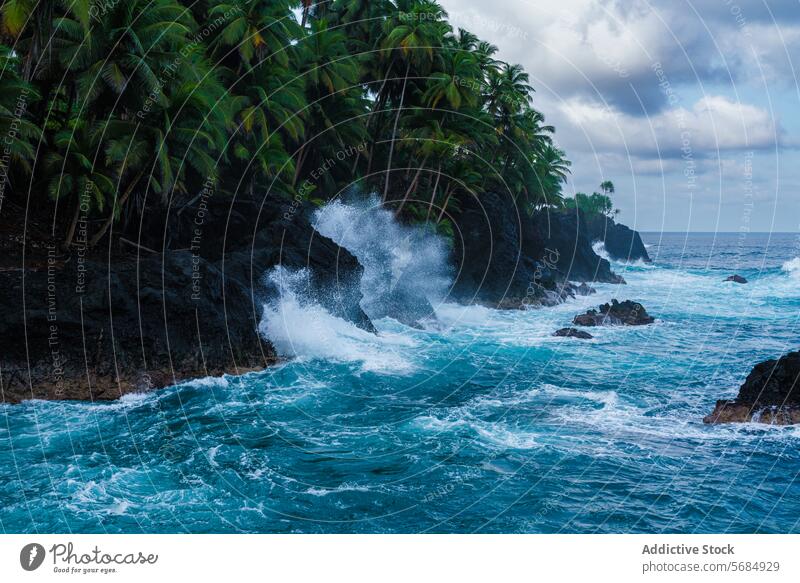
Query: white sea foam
x=494, y=433
x=608, y=399
x=306, y=330
x=458, y=314
x=599, y=248
x=402, y=264
x=792, y=267
x=346, y=487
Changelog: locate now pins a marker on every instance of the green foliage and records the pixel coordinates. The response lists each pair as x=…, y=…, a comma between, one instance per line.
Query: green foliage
x=125, y=100
x=596, y=204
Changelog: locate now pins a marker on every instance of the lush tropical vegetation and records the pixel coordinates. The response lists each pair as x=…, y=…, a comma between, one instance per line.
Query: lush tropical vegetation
x=595, y=204
x=111, y=107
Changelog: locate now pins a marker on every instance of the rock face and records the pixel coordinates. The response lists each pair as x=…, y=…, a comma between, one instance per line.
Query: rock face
x=100, y=325
x=561, y=237
x=616, y=313
x=573, y=333
x=92, y=330
x=770, y=394
x=736, y=278
x=622, y=243
x=506, y=259
x=288, y=239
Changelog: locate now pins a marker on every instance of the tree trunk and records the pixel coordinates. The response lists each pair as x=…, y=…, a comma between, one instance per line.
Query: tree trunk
x=394, y=132
x=413, y=186
x=380, y=100
x=433, y=194
x=122, y=201
x=447, y=194
x=301, y=157
x=73, y=225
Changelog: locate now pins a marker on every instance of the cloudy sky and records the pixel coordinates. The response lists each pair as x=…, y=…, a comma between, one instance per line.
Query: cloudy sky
x=691, y=107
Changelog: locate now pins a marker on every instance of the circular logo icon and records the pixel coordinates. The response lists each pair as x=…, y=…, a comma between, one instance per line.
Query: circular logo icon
x=31, y=556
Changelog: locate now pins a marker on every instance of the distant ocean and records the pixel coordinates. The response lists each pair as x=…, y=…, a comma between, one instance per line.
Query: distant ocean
x=481, y=423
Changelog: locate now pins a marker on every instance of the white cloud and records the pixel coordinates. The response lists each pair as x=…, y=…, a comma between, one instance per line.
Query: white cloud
x=712, y=123
x=732, y=68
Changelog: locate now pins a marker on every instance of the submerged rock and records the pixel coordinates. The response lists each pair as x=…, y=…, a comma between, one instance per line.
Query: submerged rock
x=736, y=278
x=585, y=290
x=770, y=394
x=616, y=313
x=573, y=333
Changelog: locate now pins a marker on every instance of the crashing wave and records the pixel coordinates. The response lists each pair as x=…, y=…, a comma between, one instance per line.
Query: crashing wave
x=792, y=266
x=406, y=269
x=599, y=248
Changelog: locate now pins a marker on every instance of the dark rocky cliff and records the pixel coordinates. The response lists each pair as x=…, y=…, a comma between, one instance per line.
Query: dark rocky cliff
x=769, y=394
x=506, y=258
x=621, y=242
x=99, y=325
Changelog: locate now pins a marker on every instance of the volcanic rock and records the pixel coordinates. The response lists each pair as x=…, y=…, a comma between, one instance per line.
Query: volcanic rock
x=573, y=333
x=616, y=313
x=736, y=278
x=770, y=394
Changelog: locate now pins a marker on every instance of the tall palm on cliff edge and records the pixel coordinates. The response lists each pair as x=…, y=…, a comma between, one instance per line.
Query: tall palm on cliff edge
x=75, y=170
x=412, y=37
x=550, y=171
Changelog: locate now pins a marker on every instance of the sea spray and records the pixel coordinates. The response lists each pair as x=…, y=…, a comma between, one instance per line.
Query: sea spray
x=406, y=269
x=792, y=267
x=299, y=327
x=599, y=248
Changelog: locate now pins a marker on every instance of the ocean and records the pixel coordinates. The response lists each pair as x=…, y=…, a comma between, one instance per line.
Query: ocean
x=480, y=422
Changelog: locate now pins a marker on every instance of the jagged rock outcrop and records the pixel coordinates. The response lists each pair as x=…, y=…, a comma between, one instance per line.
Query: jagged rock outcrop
x=736, y=279
x=616, y=313
x=621, y=242
x=93, y=330
x=505, y=258
x=770, y=394
x=573, y=333
x=99, y=325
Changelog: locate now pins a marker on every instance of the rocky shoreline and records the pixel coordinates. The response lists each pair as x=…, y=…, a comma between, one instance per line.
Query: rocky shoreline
x=770, y=394
x=507, y=260
x=98, y=325
x=184, y=299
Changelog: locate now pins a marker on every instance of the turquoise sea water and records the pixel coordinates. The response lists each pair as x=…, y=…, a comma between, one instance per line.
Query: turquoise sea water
x=483, y=423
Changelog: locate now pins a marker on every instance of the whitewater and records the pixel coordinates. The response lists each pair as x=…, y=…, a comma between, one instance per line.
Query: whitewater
x=470, y=420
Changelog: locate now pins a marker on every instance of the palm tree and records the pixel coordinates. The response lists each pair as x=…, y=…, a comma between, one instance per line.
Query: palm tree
x=335, y=99
x=458, y=84
x=16, y=97
x=411, y=36
x=75, y=168
x=260, y=29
